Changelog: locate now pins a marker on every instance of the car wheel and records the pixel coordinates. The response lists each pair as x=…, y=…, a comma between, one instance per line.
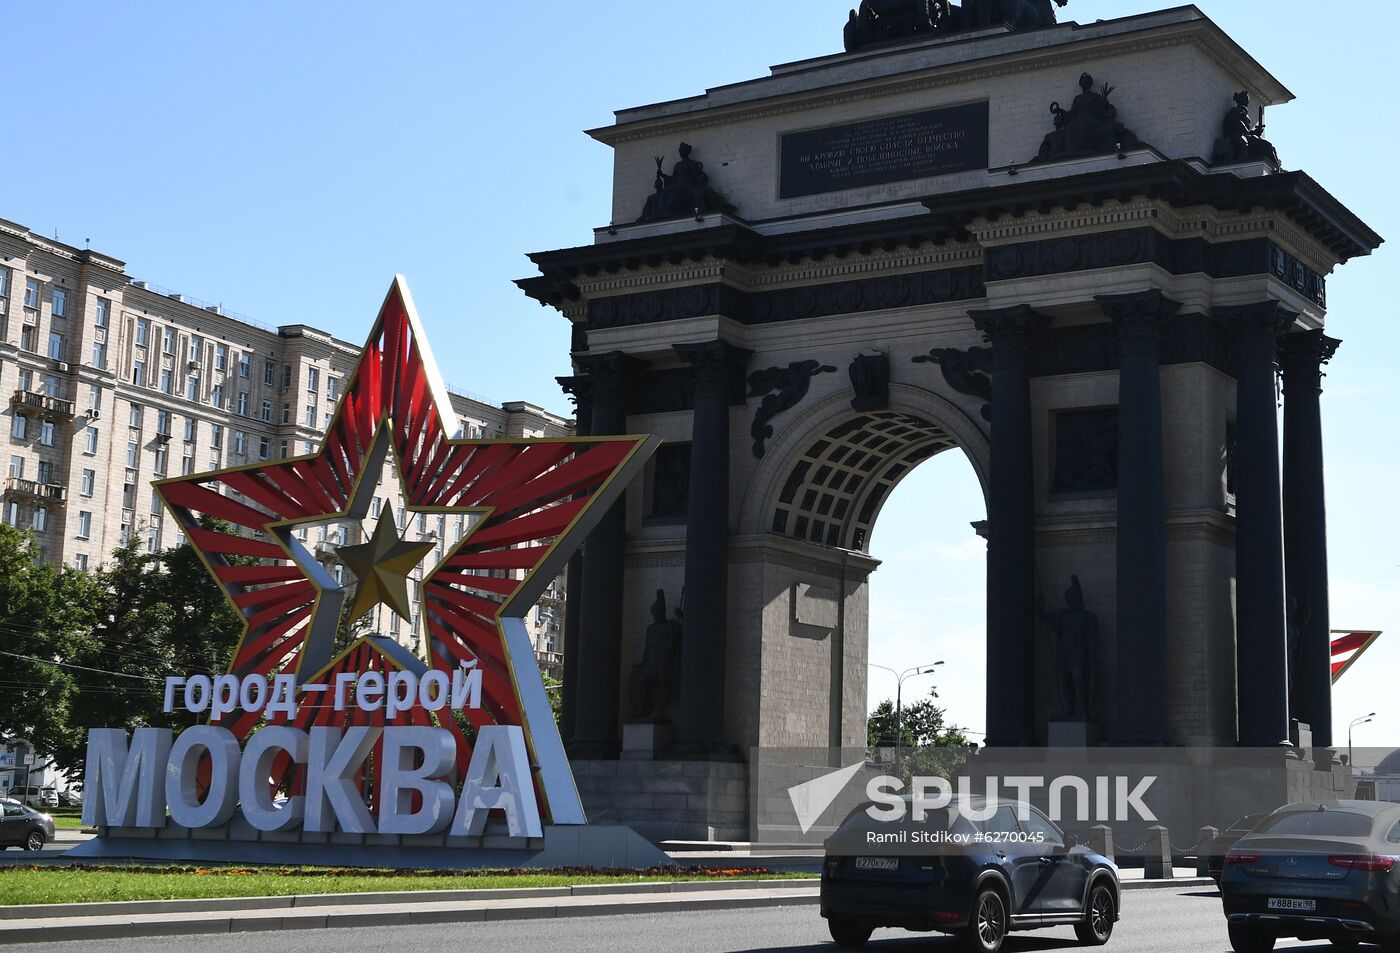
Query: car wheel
x=987, y=927
x=849, y=932
x=1099, y=915
x=35, y=841
x=1247, y=939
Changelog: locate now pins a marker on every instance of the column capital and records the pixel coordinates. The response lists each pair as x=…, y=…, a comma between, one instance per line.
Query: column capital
x=1011, y=332
x=1139, y=316
x=608, y=375
x=1304, y=353
x=1257, y=327
x=718, y=366
x=580, y=391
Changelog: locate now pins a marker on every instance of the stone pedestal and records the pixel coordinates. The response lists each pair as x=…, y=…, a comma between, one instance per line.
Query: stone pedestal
x=643, y=741
x=668, y=800
x=1072, y=734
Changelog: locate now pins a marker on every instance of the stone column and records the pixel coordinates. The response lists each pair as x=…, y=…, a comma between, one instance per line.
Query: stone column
x=701, y=727
x=599, y=666
x=582, y=394
x=1261, y=646
x=1011, y=681
x=1141, y=715
x=1305, y=531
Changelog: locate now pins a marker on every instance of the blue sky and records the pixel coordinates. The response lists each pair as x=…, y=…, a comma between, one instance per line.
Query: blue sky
x=286, y=159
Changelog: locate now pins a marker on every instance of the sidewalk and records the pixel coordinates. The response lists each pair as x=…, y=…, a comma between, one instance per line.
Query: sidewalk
x=93, y=921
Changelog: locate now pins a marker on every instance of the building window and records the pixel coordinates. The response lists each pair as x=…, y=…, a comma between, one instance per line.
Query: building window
x=99, y=355
x=282, y=450
x=162, y=457
x=134, y=418
x=12, y=512
x=41, y=519
x=89, y=482
x=243, y=403
x=138, y=373
x=216, y=436
x=60, y=303
x=153, y=538
x=192, y=388
x=313, y=379
x=80, y=562
x=264, y=448
x=94, y=397
x=31, y=293
x=307, y=447
x=55, y=345
x=104, y=311
x=143, y=331
x=286, y=376
x=245, y=366
x=167, y=341
x=220, y=357
x=332, y=387
x=191, y=430
x=240, y=442
x=84, y=524
x=376, y=507
x=167, y=380
x=310, y=415
x=269, y=373
x=163, y=422
x=128, y=498
x=46, y=472
x=267, y=411
x=186, y=465
x=4, y=282
x=50, y=385
x=90, y=435
x=286, y=413
x=217, y=397
x=26, y=338
x=46, y=433
x=133, y=453
x=19, y=427
x=17, y=467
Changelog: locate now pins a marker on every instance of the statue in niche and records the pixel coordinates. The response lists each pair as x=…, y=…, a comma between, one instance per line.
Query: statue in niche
x=782, y=388
x=684, y=193
x=1090, y=126
x=1241, y=141
x=966, y=371
x=1075, y=631
x=654, y=678
x=870, y=378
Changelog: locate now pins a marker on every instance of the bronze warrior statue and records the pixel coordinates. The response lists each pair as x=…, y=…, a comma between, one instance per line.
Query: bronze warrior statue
x=1075, y=651
x=653, y=680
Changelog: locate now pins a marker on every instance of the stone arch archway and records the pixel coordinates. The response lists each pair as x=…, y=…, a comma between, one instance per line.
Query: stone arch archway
x=836, y=466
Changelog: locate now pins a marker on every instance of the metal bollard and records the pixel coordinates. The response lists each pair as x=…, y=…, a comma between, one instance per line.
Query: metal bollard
x=1204, y=842
x=1157, y=856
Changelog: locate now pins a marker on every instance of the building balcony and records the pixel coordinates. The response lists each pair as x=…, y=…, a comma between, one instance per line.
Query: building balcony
x=46, y=406
x=34, y=490
x=325, y=549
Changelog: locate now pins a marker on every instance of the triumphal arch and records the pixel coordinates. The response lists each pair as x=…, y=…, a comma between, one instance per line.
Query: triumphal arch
x=1068, y=252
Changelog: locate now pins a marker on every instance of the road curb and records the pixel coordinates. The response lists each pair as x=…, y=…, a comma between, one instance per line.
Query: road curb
x=1167, y=884
x=307, y=918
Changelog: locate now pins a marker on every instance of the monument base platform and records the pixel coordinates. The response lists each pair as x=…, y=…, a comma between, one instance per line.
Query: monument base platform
x=608, y=846
x=668, y=800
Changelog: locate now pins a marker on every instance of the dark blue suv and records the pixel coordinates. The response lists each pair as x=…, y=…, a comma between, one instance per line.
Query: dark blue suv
x=977, y=879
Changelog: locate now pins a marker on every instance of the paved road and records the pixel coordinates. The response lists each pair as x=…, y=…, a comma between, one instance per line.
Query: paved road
x=1154, y=921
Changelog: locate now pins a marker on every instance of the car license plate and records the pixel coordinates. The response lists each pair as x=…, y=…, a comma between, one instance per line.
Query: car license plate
x=1284, y=903
x=877, y=863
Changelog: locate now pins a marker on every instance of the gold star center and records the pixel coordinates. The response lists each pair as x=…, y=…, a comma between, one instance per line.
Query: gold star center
x=381, y=567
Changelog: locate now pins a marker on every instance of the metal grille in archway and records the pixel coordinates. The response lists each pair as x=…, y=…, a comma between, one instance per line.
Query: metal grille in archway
x=834, y=492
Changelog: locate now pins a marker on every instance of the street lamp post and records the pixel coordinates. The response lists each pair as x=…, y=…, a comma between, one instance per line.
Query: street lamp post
x=899, y=698
x=1363, y=719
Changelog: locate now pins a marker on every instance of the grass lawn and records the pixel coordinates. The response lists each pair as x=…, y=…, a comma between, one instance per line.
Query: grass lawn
x=26, y=885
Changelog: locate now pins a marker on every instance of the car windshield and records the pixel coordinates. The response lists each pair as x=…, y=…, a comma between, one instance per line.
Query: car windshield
x=1318, y=823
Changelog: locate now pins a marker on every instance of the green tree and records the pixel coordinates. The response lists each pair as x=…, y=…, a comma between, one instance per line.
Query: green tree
x=46, y=619
x=926, y=743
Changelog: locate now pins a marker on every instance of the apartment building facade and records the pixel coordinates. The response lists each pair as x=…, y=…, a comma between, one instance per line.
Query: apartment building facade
x=110, y=383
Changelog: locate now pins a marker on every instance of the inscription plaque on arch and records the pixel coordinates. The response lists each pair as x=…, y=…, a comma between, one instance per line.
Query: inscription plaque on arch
x=889, y=149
